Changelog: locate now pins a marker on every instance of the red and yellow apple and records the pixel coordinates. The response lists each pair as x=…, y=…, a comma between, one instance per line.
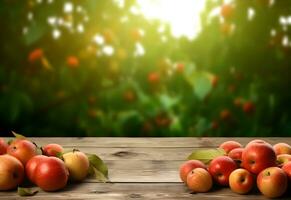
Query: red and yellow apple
x=11, y=172
x=282, y=148
x=283, y=158
x=50, y=174
x=241, y=181
x=188, y=166
x=52, y=149
x=220, y=168
x=287, y=169
x=236, y=155
x=272, y=182
x=257, y=141
x=3, y=146
x=199, y=180
x=22, y=149
x=258, y=156
x=229, y=145
x=78, y=164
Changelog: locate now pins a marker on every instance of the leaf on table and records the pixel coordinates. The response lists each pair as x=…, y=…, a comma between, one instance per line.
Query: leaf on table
x=98, y=175
x=21, y=191
x=18, y=136
x=98, y=168
x=206, y=155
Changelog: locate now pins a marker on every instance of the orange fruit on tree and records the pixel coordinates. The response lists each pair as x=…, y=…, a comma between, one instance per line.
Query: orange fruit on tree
x=214, y=80
x=238, y=102
x=249, y=107
x=180, y=67
x=153, y=77
x=225, y=114
x=73, y=62
x=227, y=11
x=214, y=125
x=129, y=95
x=35, y=55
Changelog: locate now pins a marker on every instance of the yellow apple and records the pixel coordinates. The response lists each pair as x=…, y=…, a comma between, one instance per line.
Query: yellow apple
x=78, y=165
x=199, y=180
x=282, y=148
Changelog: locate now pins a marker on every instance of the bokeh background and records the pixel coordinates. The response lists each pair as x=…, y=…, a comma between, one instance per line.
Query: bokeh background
x=145, y=68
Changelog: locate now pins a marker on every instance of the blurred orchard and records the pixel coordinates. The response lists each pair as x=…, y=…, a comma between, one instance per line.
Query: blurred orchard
x=105, y=68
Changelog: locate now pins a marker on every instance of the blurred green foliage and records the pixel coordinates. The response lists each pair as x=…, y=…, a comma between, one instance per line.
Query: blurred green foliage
x=58, y=80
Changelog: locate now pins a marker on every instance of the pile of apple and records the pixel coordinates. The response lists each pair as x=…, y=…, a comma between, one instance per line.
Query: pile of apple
x=258, y=164
x=48, y=168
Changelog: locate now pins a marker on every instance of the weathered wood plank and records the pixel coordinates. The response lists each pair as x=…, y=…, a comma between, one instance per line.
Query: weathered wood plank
x=143, y=171
x=148, y=142
x=143, y=153
x=133, y=191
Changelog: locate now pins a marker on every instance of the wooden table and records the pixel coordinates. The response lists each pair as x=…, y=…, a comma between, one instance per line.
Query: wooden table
x=139, y=168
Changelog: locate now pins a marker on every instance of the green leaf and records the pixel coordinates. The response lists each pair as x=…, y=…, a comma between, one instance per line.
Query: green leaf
x=167, y=101
x=176, y=124
x=18, y=136
x=206, y=155
x=98, y=175
x=200, y=82
x=60, y=155
x=201, y=126
x=26, y=191
x=98, y=168
x=35, y=32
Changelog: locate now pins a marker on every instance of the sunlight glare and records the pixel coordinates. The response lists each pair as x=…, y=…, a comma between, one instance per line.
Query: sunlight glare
x=183, y=16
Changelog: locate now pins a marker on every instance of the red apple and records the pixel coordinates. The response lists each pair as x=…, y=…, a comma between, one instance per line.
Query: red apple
x=229, y=145
x=11, y=172
x=3, y=146
x=272, y=182
x=258, y=156
x=287, y=169
x=241, y=181
x=188, y=166
x=236, y=155
x=22, y=149
x=220, y=168
x=283, y=158
x=52, y=149
x=199, y=180
x=31, y=165
x=257, y=141
x=51, y=174
x=282, y=148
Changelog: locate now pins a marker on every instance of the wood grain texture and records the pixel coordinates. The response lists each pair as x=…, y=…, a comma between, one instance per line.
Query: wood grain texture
x=115, y=191
x=139, y=168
